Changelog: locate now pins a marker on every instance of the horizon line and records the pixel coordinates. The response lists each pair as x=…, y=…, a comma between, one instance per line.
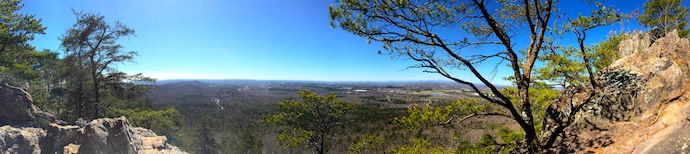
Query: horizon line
x=331, y=81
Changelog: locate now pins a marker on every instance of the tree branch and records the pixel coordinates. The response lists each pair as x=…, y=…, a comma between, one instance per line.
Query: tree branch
x=448, y=122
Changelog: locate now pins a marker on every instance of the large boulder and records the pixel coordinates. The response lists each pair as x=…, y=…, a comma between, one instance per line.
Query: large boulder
x=16, y=103
x=635, y=86
x=108, y=135
x=26, y=129
x=664, y=64
x=642, y=106
x=21, y=140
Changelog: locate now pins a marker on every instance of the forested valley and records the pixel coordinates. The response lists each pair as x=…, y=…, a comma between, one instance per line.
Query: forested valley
x=568, y=94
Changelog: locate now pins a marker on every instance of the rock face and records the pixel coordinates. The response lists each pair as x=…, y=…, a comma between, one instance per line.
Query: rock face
x=642, y=106
x=20, y=140
x=26, y=129
x=16, y=106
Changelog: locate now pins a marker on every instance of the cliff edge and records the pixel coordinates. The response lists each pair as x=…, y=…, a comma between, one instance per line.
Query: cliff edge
x=26, y=129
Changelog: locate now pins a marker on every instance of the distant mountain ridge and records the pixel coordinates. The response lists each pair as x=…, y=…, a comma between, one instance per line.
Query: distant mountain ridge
x=252, y=81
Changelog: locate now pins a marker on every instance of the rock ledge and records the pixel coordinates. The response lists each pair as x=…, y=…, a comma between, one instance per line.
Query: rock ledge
x=26, y=129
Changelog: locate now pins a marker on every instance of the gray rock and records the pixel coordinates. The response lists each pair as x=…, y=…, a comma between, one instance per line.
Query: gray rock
x=21, y=140
x=15, y=102
x=26, y=129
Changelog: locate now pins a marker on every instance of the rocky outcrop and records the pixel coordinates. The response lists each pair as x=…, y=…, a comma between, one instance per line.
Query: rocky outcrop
x=26, y=129
x=20, y=140
x=642, y=106
x=16, y=106
x=107, y=135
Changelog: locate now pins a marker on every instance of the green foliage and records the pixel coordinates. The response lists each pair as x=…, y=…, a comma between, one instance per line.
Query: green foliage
x=16, y=30
x=605, y=52
x=399, y=101
x=165, y=121
x=600, y=17
x=541, y=94
x=465, y=147
x=665, y=15
x=504, y=141
x=365, y=144
x=24, y=65
x=45, y=89
x=203, y=139
x=309, y=122
x=561, y=68
x=247, y=143
x=563, y=65
x=425, y=117
x=124, y=91
x=421, y=146
x=292, y=137
x=92, y=49
x=509, y=137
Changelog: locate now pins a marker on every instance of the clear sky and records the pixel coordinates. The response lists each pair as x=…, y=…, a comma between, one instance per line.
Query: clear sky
x=248, y=39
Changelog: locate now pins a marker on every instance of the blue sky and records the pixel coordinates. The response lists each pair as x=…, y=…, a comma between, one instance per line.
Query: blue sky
x=248, y=39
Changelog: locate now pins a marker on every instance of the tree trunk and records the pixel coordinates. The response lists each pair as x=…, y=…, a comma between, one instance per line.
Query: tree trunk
x=78, y=103
x=530, y=133
x=585, y=58
x=94, y=77
x=96, y=92
x=321, y=146
x=80, y=89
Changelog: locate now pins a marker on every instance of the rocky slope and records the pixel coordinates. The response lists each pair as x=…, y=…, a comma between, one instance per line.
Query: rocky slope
x=642, y=106
x=26, y=129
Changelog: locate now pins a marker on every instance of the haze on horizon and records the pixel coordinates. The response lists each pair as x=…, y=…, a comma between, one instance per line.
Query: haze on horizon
x=263, y=40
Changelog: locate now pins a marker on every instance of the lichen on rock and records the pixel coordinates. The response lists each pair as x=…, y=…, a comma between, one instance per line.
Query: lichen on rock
x=642, y=106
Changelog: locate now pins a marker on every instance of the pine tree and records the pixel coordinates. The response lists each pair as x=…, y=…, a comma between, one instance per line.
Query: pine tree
x=16, y=30
x=310, y=122
x=665, y=15
x=92, y=46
